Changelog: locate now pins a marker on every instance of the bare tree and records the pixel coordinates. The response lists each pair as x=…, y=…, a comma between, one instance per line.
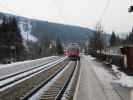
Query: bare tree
x=96, y=42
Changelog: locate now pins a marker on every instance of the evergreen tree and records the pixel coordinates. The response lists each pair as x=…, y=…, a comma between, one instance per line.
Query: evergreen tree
x=131, y=37
x=59, y=48
x=96, y=41
x=10, y=38
x=113, y=39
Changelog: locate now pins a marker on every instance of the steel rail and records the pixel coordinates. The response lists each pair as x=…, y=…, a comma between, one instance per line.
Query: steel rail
x=16, y=78
x=62, y=91
x=56, y=88
x=15, y=74
x=36, y=89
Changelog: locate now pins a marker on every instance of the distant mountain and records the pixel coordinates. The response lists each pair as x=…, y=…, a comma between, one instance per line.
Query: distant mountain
x=67, y=33
x=44, y=29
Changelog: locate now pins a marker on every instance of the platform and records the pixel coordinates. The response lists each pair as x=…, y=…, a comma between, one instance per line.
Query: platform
x=91, y=86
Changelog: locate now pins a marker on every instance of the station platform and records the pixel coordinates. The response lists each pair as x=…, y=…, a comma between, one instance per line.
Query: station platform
x=94, y=82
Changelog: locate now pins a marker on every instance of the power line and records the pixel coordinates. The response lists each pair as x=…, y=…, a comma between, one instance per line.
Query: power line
x=104, y=11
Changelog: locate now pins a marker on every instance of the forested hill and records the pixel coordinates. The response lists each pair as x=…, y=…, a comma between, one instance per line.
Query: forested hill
x=67, y=33
x=48, y=30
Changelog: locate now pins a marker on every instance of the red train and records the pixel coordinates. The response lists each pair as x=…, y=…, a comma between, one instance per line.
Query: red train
x=73, y=51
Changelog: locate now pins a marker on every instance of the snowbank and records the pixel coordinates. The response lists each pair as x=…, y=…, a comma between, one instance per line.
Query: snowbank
x=23, y=62
x=122, y=79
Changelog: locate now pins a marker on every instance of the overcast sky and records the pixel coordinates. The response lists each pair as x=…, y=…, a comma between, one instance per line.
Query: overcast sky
x=75, y=12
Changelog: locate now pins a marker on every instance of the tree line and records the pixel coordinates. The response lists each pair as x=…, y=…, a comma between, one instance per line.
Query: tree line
x=98, y=40
x=12, y=43
x=117, y=41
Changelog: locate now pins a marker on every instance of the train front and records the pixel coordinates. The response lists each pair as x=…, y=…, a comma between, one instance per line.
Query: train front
x=73, y=52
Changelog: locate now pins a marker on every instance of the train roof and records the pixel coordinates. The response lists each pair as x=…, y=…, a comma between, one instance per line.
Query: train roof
x=73, y=45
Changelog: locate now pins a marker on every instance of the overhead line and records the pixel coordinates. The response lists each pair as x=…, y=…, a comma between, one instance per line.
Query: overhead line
x=104, y=11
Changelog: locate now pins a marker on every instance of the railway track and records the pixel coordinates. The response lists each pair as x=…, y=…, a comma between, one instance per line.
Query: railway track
x=58, y=86
x=33, y=66
x=10, y=80
x=71, y=88
x=15, y=86
x=55, y=80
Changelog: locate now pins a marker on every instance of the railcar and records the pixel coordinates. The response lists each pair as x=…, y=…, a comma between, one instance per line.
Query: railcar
x=73, y=52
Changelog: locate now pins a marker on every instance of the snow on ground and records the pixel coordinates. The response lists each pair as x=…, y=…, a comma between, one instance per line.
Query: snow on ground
x=123, y=79
x=23, y=62
x=30, y=74
x=26, y=28
x=120, y=78
x=104, y=78
x=99, y=70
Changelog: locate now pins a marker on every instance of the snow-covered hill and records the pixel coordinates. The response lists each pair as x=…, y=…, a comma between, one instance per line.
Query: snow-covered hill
x=26, y=28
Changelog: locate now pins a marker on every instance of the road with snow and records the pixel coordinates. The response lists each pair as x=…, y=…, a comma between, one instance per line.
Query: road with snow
x=95, y=83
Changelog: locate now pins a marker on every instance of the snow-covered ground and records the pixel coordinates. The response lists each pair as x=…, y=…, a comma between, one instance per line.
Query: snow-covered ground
x=9, y=69
x=26, y=28
x=105, y=79
x=122, y=79
x=23, y=62
x=30, y=74
x=108, y=80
